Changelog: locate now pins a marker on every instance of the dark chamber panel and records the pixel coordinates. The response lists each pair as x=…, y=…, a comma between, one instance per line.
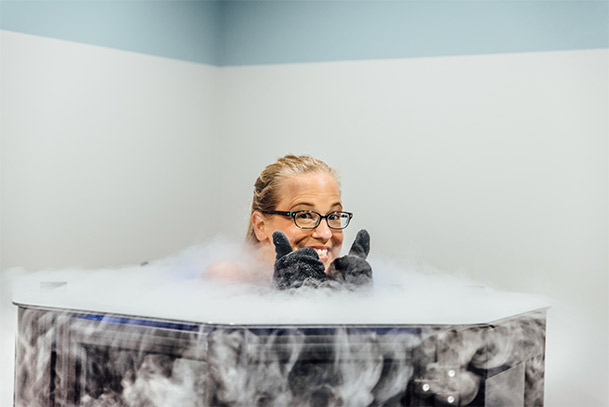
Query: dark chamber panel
x=85, y=359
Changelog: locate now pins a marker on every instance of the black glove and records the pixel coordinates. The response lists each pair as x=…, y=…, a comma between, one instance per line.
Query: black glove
x=296, y=268
x=353, y=268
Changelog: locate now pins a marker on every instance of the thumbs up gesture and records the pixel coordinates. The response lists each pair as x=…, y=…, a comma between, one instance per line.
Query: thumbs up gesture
x=294, y=268
x=353, y=268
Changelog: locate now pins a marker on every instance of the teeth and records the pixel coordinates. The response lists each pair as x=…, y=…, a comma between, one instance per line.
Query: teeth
x=321, y=252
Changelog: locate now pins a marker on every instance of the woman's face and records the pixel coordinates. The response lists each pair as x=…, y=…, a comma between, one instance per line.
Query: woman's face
x=317, y=192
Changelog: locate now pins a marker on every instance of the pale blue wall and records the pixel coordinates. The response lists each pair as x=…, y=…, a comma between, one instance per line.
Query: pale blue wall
x=186, y=30
x=269, y=32
x=308, y=31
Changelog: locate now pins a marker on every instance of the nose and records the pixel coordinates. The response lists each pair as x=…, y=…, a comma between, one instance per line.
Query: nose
x=322, y=231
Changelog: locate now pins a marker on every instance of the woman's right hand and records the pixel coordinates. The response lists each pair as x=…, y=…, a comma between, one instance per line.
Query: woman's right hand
x=296, y=268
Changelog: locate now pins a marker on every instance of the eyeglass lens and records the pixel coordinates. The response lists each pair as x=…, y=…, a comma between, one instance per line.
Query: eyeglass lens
x=310, y=219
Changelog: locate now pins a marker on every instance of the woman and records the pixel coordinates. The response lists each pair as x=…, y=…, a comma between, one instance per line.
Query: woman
x=296, y=226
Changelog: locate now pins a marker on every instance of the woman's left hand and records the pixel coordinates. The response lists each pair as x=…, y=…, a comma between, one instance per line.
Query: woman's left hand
x=353, y=268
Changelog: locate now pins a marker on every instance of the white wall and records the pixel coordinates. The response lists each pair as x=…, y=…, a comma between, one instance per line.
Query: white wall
x=494, y=166
x=106, y=158
x=106, y=155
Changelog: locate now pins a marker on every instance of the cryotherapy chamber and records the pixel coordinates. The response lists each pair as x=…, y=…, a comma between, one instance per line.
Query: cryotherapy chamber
x=76, y=357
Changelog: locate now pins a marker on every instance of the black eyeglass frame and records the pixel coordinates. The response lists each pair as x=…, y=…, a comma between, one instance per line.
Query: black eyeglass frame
x=292, y=214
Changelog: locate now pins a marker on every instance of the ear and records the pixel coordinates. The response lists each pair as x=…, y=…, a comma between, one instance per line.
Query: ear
x=258, y=222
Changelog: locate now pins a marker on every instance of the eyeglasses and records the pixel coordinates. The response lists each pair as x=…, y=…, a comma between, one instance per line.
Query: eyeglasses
x=311, y=219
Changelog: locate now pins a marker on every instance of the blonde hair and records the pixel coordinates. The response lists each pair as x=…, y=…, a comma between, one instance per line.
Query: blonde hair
x=267, y=185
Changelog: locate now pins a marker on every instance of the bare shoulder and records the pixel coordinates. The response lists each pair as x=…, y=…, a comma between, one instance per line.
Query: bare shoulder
x=225, y=270
x=235, y=271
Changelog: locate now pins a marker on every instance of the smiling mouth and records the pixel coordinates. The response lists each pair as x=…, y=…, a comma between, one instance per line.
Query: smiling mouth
x=321, y=252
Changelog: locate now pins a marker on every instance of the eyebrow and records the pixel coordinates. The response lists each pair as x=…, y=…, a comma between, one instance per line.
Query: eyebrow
x=304, y=204
x=309, y=205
